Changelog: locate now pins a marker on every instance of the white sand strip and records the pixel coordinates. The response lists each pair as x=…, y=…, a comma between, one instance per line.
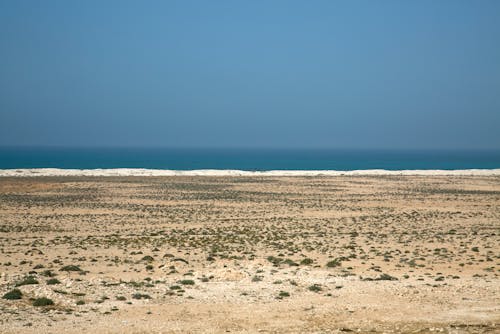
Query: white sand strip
x=231, y=172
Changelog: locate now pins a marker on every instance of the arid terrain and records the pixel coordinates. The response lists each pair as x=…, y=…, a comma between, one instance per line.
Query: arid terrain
x=370, y=254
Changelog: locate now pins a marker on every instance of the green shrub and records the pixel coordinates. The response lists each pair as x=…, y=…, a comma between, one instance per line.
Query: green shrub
x=187, y=282
x=70, y=267
x=306, y=261
x=315, y=288
x=48, y=273
x=140, y=296
x=276, y=261
x=333, y=263
x=283, y=294
x=386, y=277
x=53, y=281
x=43, y=301
x=291, y=263
x=13, y=294
x=27, y=280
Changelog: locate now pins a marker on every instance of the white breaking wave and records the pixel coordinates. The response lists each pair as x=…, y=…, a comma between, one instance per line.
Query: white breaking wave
x=233, y=172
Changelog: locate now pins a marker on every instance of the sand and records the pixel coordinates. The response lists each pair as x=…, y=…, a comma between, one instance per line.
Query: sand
x=264, y=253
x=233, y=172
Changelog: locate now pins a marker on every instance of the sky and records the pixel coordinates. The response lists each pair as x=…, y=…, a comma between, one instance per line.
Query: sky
x=265, y=74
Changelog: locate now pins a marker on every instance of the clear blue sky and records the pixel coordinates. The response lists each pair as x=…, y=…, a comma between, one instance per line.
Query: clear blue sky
x=336, y=74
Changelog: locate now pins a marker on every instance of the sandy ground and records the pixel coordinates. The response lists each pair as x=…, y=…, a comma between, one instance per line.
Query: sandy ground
x=182, y=254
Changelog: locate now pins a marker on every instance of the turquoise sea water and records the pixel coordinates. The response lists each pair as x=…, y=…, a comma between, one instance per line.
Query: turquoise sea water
x=245, y=159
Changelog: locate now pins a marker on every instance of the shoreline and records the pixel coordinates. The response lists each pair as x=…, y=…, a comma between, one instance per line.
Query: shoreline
x=33, y=172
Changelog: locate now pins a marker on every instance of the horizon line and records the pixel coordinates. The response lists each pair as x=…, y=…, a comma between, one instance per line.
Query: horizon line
x=284, y=148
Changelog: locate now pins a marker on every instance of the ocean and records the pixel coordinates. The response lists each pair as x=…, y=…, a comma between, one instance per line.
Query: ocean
x=246, y=159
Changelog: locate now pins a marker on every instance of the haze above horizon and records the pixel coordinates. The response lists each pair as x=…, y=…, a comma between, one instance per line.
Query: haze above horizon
x=287, y=74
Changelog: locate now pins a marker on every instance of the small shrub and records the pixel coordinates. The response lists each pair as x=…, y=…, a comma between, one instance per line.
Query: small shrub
x=315, y=288
x=53, y=281
x=13, y=294
x=291, y=263
x=333, y=263
x=386, y=277
x=121, y=298
x=43, y=301
x=70, y=267
x=274, y=260
x=140, y=296
x=27, y=280
x=80, y=302
x=306, y=261
x=187, y=282
x=283, y=294
x=47, y=273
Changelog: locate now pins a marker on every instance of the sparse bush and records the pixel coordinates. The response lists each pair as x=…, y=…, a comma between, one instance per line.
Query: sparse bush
x=43, y=301
x=291, y=263
x=53, y=281
x=333, y=263
x=283, y=294
x=307, y=261
x=70, y=267
x=141, y=296
x=315, y=288
x=27, y=280
x=276, y=261
x=47, y=273
x=13, y=294
x=386, y=277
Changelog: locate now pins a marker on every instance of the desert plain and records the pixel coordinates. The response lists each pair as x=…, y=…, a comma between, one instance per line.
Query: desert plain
x=232, y=254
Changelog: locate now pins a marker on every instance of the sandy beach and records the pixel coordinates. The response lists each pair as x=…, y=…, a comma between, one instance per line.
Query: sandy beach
x=232, y=172
x=247, y=252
